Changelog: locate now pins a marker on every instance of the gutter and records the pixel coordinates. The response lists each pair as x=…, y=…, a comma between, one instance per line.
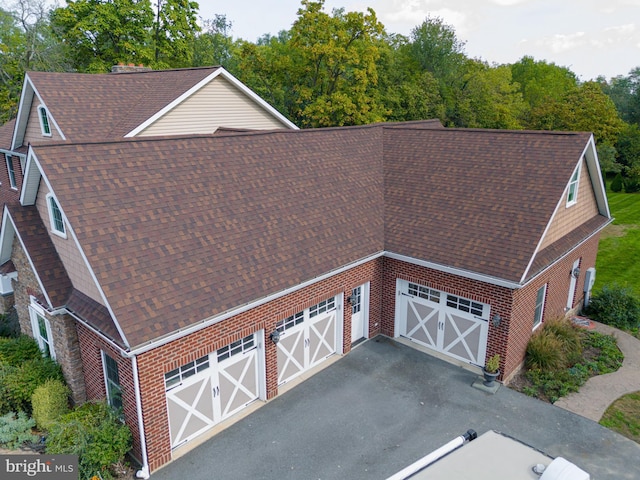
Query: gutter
x=144, y=471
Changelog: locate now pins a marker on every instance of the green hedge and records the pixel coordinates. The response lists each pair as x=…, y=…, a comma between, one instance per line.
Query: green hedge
x=17, y=383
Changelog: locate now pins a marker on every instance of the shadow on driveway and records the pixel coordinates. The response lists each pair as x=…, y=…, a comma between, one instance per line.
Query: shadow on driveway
x=382, y=407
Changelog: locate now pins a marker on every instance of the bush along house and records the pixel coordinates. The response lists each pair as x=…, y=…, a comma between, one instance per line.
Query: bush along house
x=184, y=251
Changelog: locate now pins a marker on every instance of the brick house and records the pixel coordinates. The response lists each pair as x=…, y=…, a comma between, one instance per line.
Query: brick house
x=188, y=277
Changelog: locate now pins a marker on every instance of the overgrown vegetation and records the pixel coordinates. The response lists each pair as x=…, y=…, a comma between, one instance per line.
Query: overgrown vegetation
x=561, y=358
x=95, y=433
x=623, y=416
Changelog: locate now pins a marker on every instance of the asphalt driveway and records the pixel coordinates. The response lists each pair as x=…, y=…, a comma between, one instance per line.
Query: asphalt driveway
x=381, y=408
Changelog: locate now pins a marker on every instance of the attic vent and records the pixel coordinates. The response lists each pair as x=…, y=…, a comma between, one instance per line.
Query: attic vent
x=122, y=68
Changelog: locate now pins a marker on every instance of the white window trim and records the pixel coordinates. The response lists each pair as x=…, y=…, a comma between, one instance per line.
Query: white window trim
x=52, y=220
x=576, y=173
x=107, y=384
x=42, y=108
x=12, y=181
x=36, y=311
x=544, y=298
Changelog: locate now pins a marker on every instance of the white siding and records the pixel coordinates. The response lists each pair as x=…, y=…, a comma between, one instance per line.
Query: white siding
x=218, y=104
x=69, y=254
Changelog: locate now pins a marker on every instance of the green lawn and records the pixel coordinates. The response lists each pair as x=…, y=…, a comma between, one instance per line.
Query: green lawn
x=619, y=250
x=624, y=416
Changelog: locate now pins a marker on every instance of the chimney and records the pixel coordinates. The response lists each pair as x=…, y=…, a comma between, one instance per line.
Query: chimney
x=122, y=68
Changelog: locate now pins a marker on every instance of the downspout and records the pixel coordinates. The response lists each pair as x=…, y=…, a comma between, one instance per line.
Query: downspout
x=144, y=471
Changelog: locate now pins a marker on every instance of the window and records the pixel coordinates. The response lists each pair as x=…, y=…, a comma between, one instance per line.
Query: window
x=356, y=300
x=572, y=195
x=175, y=377
x=112, y=380
x=289, y=322
x=11, y=170
x=243, y=345
x=42, y=331
x=424, y=292
x=44, y=121
x=57, y=223
x=324, y=306
x=537, y=317
x=465, y=305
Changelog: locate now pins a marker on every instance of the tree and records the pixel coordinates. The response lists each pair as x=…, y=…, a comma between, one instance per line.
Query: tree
x=26, y=43
x=487, y=98
x=434, y=48
x=98, y=34
x=583, y=108
x=214, y=44
x=628, y=146
x=539, y=81
x=334, y=63
x=174, y=30
x=406, y=91
x=625, y=93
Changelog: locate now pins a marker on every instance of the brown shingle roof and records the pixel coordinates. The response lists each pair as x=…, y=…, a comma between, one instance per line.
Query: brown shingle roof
x=477, y=200
x=42, y=253
x=95, y=314
x=91, y=106
x=179, y=230
x=6, y=134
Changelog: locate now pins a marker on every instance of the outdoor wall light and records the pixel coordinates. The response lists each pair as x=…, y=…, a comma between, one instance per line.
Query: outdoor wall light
x=275, y=336
x=496, y=320
x=575, y=272
x=348, y=299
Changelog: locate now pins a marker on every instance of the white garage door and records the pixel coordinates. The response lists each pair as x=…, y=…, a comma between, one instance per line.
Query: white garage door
x=307, y=339
x=449, y=324
x=201, y=394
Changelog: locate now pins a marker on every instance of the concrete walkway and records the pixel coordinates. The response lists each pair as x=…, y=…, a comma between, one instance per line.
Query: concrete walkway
x=599, y=392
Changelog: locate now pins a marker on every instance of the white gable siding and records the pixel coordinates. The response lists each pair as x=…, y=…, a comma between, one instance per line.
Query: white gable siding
x=33, y=131
x=69, y=254
x=217, y=104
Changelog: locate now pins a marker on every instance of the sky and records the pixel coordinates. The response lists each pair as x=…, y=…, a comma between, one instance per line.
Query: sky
x=591, y=37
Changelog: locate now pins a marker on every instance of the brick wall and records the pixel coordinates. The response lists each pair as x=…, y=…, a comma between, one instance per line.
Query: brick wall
x=557, y=279
x=91, y=347
x=499, y=298
x=154, y=364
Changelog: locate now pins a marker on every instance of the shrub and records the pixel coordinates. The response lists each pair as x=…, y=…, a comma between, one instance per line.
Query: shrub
x=16, y=430
x=95, y=433
x=545, y=352
x=570, y=337
x=17, y=384
x=49, y=402
x=16, y=351
x=616, y=183
x=616, y=306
